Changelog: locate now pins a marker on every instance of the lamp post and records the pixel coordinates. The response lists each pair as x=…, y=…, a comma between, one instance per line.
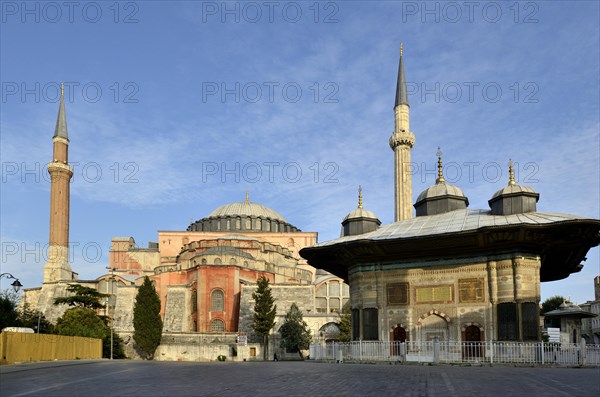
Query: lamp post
x=106, y=308
x=112, y=292
x=15, y=284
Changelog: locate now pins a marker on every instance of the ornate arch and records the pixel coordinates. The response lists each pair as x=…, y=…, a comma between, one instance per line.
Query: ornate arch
x=434, y=312
x=465, y=325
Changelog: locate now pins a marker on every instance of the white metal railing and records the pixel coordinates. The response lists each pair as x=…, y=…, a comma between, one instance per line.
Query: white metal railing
x=566, y=354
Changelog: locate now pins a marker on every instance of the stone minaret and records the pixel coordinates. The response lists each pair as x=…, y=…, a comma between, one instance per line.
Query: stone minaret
x=57, y=267
x=401, y=142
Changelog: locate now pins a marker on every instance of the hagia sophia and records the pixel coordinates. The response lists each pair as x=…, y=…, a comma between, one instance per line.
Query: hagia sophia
x=440, y=270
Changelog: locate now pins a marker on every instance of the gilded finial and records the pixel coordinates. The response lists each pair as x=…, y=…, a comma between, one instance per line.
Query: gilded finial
x=511, y=173
x=440, y=178
x=62, y=89
x=247, y=197
x=400, y=49
x=359, y=196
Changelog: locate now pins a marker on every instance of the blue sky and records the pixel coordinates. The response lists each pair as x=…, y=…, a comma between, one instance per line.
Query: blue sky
x=175, y=108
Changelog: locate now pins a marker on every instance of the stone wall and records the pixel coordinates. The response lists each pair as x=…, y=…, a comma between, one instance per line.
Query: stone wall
x=205, y=347
x=123, y=311
x=178, y=309
x=444, y=300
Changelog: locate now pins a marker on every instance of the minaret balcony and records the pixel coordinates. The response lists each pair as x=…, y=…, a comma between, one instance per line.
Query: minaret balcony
x=59, y=166
x=403, y=138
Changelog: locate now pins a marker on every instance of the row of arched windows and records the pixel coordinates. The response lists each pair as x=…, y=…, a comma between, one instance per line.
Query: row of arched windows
x=218, y=261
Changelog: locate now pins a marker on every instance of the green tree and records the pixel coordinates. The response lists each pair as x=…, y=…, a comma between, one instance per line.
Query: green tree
x=81, y=321
x=33, y=318
x=85, y=321
x=118, y=351
x=9, y=316
x=264, y=312
x=82, y=296
x=345, y=324
x=295, y=335
x=147, y=324
x=552, y=303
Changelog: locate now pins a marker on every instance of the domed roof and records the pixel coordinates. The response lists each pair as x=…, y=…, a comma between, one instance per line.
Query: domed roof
x=246, y=208
x=511, y=189
x=440, y=189
x=360, y=213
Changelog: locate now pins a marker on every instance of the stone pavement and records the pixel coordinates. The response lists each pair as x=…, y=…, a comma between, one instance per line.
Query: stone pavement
x=307, y=379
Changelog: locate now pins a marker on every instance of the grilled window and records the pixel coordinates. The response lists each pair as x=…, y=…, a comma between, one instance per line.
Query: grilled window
x=217, y=326
x=217, y=301
x=529, y=314
x=370, y=329
x=507, y=321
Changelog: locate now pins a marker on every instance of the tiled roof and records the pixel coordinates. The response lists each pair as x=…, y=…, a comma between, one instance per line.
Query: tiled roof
x=453, y=222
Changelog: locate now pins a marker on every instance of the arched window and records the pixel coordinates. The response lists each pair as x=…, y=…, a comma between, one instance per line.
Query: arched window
x=334, y=288
x=217, y=261
x=232, y=261
x=217, y=301
x=194, y=301
x=322, y=290
x=217, y=326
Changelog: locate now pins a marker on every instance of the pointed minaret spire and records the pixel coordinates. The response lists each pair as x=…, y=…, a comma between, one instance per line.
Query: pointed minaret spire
x=440, y=178
x=57, y=267
x=401, y=94
x=360, y=205
x=401, y=142
x=61, y=121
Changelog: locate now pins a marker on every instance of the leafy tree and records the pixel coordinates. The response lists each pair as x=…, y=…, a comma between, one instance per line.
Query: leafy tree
x=81, y=321
x=552, y=303
x=118, y=351
x=82, y=296
x=345, y=324
x=295, y=335
x=264, y=312
x=147, y=324
x=33, y=318
x=9, y=316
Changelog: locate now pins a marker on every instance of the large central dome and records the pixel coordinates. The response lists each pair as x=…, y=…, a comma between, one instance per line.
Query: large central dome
x=246, y=208
x=243, y=216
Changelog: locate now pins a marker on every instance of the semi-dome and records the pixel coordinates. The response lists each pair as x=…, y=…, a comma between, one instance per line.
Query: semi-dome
x=243, y=216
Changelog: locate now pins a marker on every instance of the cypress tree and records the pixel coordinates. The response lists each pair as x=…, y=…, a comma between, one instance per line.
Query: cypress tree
x=264, y=312
x=147, y=324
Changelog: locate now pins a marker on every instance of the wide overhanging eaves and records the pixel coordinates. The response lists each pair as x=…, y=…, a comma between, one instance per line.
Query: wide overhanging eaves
x=561, y=247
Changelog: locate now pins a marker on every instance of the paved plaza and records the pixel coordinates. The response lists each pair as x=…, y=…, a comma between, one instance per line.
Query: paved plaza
x=139, y=378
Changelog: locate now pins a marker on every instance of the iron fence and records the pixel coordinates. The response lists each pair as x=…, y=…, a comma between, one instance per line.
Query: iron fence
x=492, y=352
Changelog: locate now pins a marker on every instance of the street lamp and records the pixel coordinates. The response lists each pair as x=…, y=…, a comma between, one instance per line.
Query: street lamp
x=15, y=284
x=112, y=292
